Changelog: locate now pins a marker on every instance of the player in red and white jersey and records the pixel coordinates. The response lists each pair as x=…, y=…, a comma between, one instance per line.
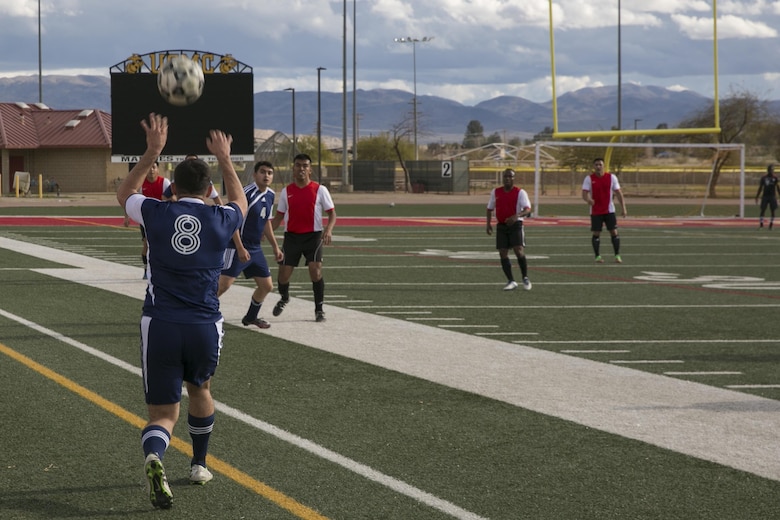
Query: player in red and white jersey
x=510, y=204
x=598, y=190
x=153, y=187
x=301, y=206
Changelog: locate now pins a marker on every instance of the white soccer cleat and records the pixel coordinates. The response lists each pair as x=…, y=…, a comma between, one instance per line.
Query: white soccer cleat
x=510, y=286
x=527, y=284
x=199, y=475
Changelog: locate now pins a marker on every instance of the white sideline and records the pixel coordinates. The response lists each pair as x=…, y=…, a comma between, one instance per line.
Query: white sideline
x=723, y=426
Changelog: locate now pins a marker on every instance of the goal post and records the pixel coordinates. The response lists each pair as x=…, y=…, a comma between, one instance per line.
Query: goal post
x=645, y=169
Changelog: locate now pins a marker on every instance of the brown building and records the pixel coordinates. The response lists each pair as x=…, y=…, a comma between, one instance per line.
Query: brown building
x=69, y=147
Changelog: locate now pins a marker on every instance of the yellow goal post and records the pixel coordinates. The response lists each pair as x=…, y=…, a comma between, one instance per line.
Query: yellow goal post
x=715, y=129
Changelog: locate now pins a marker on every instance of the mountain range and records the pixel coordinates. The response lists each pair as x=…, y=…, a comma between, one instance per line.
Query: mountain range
x=379, y=110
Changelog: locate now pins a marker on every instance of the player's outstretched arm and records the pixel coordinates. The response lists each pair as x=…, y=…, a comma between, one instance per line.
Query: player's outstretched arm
x=218, y=143
x=156, y=137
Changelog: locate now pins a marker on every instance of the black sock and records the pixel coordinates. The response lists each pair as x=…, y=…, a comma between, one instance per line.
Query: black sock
x=616, y=244
x=144, y=259
x=506, y=265
x=523, y=263
x=596, y=242
x=284, y=290
x=319, y=293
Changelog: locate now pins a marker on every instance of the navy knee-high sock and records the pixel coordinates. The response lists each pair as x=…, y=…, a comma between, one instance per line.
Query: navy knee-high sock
x=200, y=431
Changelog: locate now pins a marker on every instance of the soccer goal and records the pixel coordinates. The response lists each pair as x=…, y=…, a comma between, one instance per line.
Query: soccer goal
x=692, y=172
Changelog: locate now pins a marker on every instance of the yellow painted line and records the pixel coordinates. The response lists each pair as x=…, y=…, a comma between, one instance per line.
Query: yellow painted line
x=215, y=464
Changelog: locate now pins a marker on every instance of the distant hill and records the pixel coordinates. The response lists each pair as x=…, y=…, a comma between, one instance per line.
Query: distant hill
x=440, y=119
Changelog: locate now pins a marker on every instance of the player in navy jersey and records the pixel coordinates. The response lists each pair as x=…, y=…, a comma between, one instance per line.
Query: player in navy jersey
x=301, y=206
x=771, y=188
x=181, y=324
x=244, y=254
x=510, y=204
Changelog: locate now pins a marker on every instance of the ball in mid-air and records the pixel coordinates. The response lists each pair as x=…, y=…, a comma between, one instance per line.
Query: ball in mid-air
x=180, y=81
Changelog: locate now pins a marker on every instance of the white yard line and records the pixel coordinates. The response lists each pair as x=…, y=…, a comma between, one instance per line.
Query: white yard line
x=727, y=427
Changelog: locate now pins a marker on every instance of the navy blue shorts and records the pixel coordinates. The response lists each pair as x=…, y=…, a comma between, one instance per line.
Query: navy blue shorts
x=172, y=353
x=256, y=267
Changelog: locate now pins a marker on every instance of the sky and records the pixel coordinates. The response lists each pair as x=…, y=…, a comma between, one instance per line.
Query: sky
x=476, y=49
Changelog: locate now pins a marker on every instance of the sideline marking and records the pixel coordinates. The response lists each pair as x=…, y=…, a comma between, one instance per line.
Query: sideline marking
x=234, y=474
x=226, y=469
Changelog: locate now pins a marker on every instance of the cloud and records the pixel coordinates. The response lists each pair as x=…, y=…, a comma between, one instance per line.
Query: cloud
x=729, y=26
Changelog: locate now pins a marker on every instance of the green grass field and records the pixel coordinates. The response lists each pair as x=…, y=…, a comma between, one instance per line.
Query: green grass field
x=332, y=437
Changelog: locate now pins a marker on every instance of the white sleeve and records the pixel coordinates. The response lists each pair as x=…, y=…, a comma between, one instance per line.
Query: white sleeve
x=492, y=201
x=133, y=207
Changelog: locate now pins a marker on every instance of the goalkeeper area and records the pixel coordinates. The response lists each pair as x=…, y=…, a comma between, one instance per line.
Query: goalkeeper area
x=699, y=173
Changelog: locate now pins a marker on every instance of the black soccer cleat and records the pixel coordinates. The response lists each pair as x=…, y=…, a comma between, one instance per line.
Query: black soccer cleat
x=279, y=307
x=319, y=316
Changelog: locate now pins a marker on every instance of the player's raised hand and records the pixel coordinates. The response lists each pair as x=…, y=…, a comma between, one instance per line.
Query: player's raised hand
x=156, y=132
x=218, y=143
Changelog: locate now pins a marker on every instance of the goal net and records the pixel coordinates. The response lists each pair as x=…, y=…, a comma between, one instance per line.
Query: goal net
x=695, y=173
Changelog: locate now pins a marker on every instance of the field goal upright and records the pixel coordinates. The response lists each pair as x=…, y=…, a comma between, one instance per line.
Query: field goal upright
x=637, y=165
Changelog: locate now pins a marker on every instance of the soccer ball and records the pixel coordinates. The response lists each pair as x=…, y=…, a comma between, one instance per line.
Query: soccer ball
x=180, y=81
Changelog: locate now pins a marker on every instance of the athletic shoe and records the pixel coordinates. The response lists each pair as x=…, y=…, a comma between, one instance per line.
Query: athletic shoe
x=599, y=260
x=527, y=284
x=510, y=286
x=199, y=475
x=257, y=322
x=760, y=225
x=319, y=316
x=159, y=493
x=618, y=260
x=279, y=307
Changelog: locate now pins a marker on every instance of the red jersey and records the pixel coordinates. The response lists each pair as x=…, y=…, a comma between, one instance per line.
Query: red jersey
x=154, y=189
x=508, y=203
x=601, y=191
x=303, y=207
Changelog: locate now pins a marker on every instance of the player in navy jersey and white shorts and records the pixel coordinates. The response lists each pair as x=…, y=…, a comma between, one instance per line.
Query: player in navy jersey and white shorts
x=301, y=206
x=244, y=254
x=181, y=324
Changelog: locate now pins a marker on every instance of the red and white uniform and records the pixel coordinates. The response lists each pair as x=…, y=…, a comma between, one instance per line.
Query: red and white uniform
x=601, y=191
x=508, y=203
x=303, y=207
x=156, y=188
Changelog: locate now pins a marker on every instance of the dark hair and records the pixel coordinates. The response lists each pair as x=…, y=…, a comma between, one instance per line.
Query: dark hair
x=267, y=164
x=770, y=168
x=192, y=178
x=508, y=171
x=302, y=157
x=598, y=159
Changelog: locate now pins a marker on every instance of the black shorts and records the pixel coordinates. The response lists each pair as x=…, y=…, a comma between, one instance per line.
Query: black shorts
x=297, y=245
x=509, y=237
x=768, y=203
x=597, y=222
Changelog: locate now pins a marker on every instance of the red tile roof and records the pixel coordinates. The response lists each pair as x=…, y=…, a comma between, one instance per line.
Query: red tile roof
x=24, y=126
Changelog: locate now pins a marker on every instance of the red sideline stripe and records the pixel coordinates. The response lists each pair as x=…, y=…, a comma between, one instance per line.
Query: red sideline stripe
x=410, y=221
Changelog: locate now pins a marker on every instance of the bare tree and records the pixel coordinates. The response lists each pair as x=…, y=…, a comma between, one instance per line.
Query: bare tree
x=399, y=137
x=742, y=116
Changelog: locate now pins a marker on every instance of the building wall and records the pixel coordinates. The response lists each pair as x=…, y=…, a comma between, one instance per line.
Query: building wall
x=86, y=170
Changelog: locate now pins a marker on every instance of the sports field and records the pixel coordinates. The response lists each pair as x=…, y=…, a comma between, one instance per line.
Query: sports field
x=647, y=390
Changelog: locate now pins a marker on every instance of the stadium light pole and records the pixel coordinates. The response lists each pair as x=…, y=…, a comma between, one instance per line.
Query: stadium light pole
x=40, y=57
x=294, y=139
x=414, y=42
x=319, y=125
x=620, y=75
